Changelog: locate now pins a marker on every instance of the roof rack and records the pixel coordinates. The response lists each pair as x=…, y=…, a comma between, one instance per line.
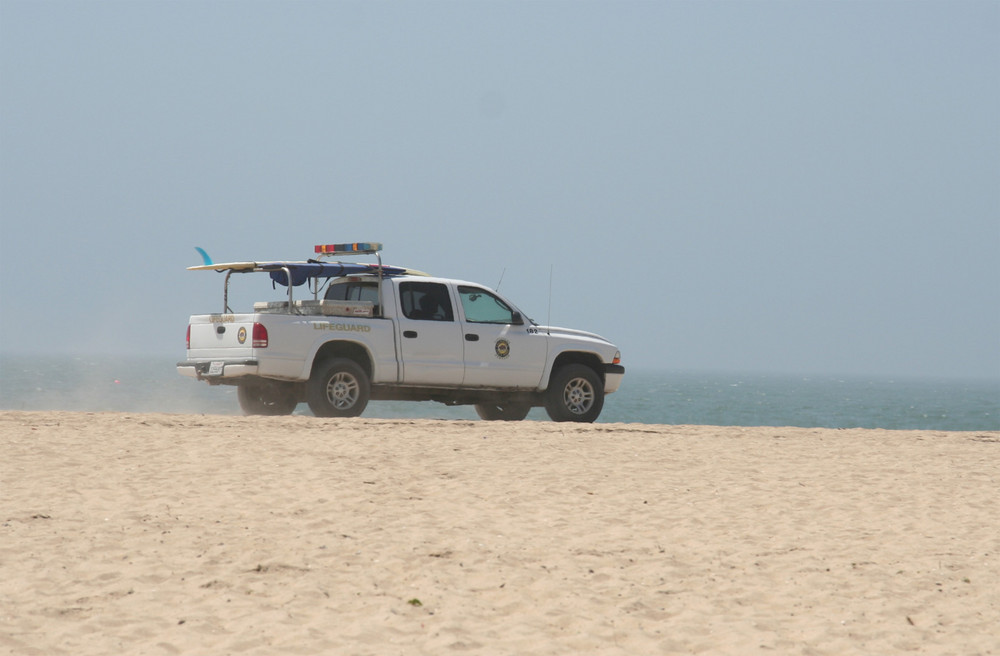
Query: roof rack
x=356, y=248
x=293, y=274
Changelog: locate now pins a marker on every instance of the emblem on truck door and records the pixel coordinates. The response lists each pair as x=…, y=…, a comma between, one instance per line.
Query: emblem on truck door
x=502, y=348
x=242, y=334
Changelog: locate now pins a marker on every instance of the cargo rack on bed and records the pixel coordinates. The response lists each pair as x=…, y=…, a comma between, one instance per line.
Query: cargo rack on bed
x=293, y=274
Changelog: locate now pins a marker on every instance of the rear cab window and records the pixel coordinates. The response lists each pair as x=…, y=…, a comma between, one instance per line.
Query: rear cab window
x=354, y=290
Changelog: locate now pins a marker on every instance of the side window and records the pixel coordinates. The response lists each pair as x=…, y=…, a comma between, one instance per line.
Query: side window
x=425, y=301
x=480, y=306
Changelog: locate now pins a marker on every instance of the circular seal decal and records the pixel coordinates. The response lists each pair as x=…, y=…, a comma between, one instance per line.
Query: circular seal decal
x=242, y=334
x=502, y=348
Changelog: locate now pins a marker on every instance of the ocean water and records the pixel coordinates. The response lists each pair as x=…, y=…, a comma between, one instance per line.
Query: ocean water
x=148, y=384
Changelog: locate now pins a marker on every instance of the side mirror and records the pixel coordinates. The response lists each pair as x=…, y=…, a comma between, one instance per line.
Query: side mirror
x=517, y=319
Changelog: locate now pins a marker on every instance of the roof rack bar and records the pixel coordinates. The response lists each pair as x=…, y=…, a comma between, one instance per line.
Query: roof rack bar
x=381, y=304
x=356, y=248
x=288, y=272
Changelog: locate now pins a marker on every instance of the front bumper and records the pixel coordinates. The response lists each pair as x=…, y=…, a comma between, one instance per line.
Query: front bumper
x=613, y=374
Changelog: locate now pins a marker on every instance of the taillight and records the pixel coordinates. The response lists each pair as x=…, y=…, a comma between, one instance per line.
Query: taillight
x=259, y=336
x=189, y=337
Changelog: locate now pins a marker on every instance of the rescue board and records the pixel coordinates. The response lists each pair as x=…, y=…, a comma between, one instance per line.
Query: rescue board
x=301, y=271
x=223, y=266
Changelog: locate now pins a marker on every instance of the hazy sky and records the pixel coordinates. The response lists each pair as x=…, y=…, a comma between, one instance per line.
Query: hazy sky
x=807, y=187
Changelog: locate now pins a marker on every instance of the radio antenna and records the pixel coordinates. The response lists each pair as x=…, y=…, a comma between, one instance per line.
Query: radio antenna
x=497, y=288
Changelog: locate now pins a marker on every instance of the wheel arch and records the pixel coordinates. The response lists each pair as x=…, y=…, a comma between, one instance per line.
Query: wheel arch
x=342, y=348
x=585, y=358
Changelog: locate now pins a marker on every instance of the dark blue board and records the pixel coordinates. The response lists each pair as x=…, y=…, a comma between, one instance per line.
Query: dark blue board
x=302, y=271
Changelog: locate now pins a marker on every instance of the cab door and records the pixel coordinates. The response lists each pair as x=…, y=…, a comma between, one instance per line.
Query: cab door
x=501, y=349
x=430, y=337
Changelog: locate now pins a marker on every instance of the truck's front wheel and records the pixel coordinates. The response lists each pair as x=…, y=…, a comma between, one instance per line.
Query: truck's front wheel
x=266, y=397
x=575, y=393
x=338, y=388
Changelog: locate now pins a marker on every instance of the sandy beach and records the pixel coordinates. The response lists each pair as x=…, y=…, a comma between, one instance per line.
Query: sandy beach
x=194, y=534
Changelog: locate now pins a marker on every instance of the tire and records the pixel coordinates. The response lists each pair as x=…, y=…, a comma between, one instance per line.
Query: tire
x=502, y=411
x=338, y=388
x=575, y=393
x=266, y=397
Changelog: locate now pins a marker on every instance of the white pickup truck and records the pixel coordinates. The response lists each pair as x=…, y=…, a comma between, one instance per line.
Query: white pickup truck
x=368, y=331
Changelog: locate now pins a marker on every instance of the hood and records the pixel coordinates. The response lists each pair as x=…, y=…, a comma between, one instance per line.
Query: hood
x=557, y=331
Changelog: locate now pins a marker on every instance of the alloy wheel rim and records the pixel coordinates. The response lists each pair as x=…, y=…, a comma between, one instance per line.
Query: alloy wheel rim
x=578, y=396
x=342, y=390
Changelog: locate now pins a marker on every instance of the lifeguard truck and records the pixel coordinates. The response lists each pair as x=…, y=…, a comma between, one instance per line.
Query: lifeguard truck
x=371, y=331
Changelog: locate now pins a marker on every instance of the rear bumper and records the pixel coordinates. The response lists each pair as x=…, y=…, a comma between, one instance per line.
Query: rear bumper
x=214, y=370
x=613, y=374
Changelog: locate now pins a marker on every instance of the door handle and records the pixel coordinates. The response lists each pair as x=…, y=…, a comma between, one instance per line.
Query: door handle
x=410, y=334
x=471, y=337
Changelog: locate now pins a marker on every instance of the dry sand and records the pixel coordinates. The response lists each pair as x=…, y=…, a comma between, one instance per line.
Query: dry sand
x=191, y=534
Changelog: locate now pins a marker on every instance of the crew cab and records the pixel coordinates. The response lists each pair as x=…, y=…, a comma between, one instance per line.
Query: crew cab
x=369, y=331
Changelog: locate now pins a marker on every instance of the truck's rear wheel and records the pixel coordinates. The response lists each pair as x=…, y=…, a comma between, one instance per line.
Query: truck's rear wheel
x=266, y=397
x=575, y=393
x=338, y=388
x=502, y=411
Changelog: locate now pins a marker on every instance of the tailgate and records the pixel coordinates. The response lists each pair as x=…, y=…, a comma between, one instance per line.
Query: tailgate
x=221, y=336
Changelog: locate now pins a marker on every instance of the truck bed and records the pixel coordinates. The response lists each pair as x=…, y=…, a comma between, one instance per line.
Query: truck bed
x=318, y=308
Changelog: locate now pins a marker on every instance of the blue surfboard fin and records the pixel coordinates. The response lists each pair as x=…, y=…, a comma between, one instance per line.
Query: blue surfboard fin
x=204, y=255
